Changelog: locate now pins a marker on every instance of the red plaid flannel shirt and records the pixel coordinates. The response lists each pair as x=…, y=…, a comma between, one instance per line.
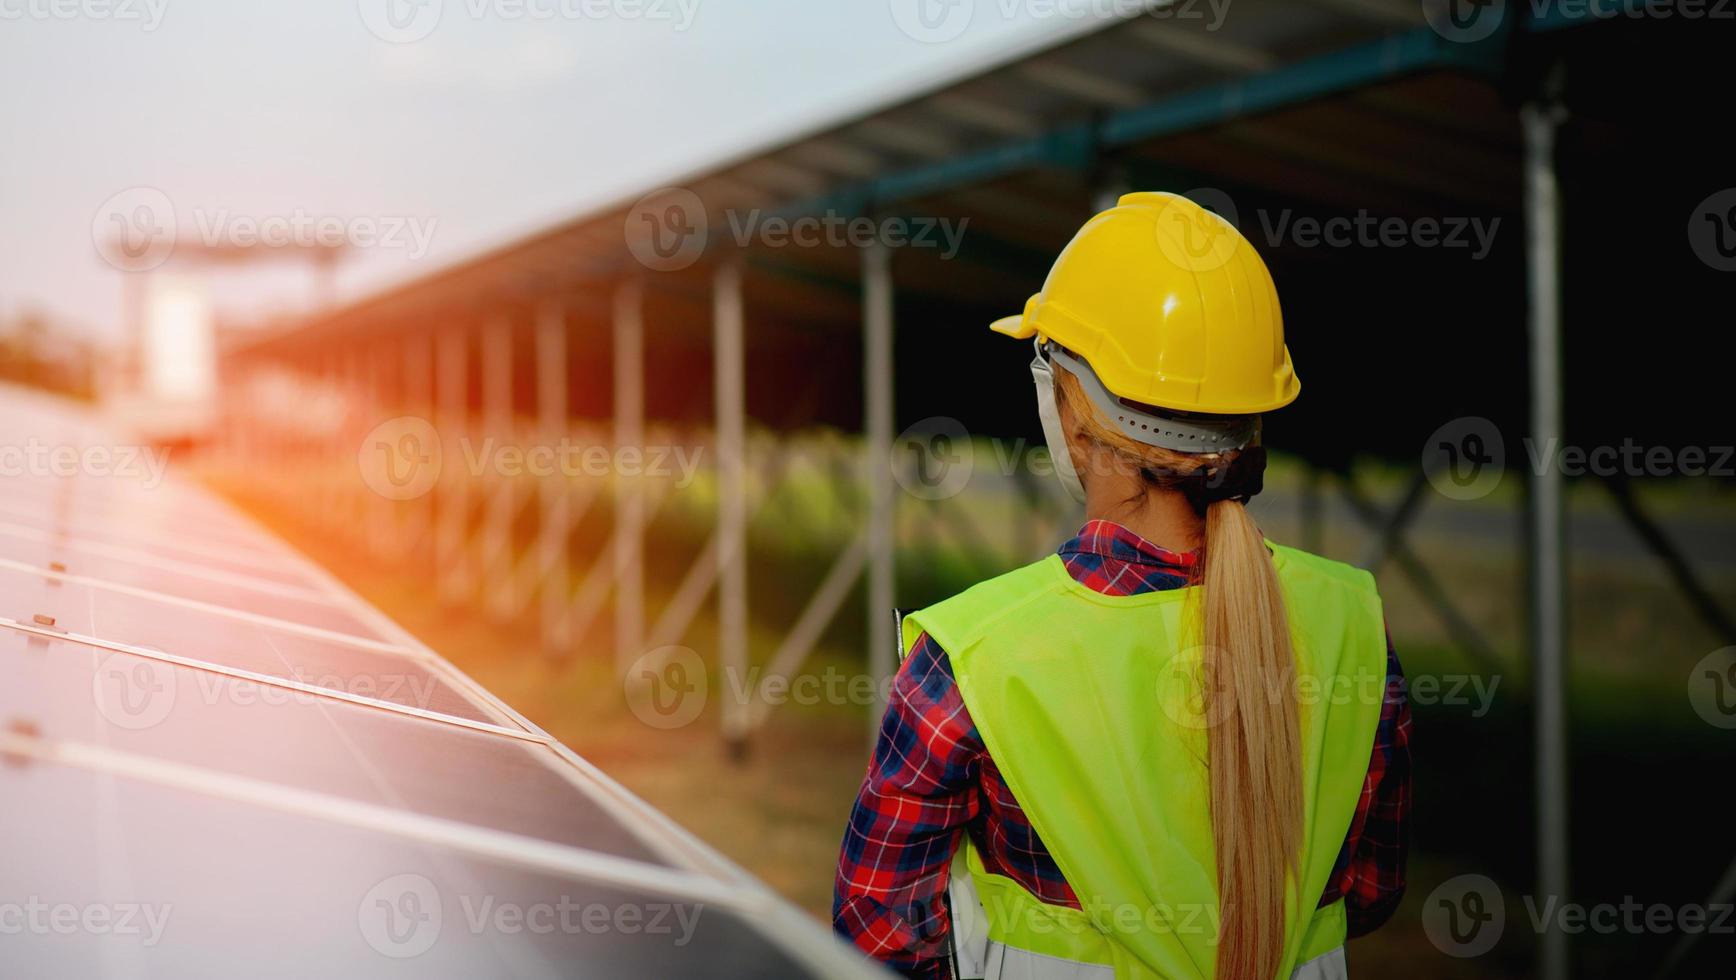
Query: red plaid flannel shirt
x=931, y=780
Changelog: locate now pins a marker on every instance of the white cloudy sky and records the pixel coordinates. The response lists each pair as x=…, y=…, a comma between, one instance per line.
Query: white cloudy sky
x=493, y=124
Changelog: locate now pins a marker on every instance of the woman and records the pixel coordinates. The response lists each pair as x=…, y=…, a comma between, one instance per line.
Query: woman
x=1172, y=749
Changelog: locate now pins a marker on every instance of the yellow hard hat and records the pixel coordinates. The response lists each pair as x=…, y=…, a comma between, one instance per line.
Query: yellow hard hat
x=1170, y=306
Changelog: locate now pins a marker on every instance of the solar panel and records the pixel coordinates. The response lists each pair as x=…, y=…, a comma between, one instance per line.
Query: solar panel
x=217, y=761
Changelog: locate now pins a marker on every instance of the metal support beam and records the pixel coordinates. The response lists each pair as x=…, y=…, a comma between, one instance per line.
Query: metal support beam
x=1676, y=563
x=417, y=399
x=629, y=344
x=380, y=513
x=555, y=489
x=451, y=554
x=731, y=393
x=1548, y=621
x=1392, y=529
x=877, y=302
x=499, y=584
x=816, y=615
x=1463, y=631
x=353, y=496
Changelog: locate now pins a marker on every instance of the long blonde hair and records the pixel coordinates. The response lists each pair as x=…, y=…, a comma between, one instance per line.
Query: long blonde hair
x=1254, y=752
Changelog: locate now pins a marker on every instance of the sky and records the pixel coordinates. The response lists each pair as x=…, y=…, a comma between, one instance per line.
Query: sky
x=428, y=129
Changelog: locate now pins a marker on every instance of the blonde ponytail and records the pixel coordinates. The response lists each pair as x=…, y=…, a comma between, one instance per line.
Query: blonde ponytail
x=1254, y=753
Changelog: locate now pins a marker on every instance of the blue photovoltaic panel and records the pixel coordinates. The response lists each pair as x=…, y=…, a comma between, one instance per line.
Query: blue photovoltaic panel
x=218, y=763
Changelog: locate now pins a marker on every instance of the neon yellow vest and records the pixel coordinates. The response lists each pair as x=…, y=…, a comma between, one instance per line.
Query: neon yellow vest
x=1089, y=705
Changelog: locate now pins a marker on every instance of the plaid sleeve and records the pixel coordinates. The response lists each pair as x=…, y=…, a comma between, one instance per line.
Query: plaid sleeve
x=1370, y=874
x=918, y=795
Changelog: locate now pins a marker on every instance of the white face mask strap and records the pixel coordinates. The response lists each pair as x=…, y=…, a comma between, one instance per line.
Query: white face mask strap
x=1048, y=410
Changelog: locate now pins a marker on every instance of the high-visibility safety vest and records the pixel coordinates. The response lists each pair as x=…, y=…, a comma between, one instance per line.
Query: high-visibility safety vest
x=1091, y=707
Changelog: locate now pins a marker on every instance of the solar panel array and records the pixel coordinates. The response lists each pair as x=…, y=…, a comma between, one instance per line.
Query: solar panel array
x=217, y=761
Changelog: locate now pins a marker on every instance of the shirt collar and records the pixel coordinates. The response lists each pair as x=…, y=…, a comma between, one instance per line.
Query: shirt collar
x=1107, y=539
